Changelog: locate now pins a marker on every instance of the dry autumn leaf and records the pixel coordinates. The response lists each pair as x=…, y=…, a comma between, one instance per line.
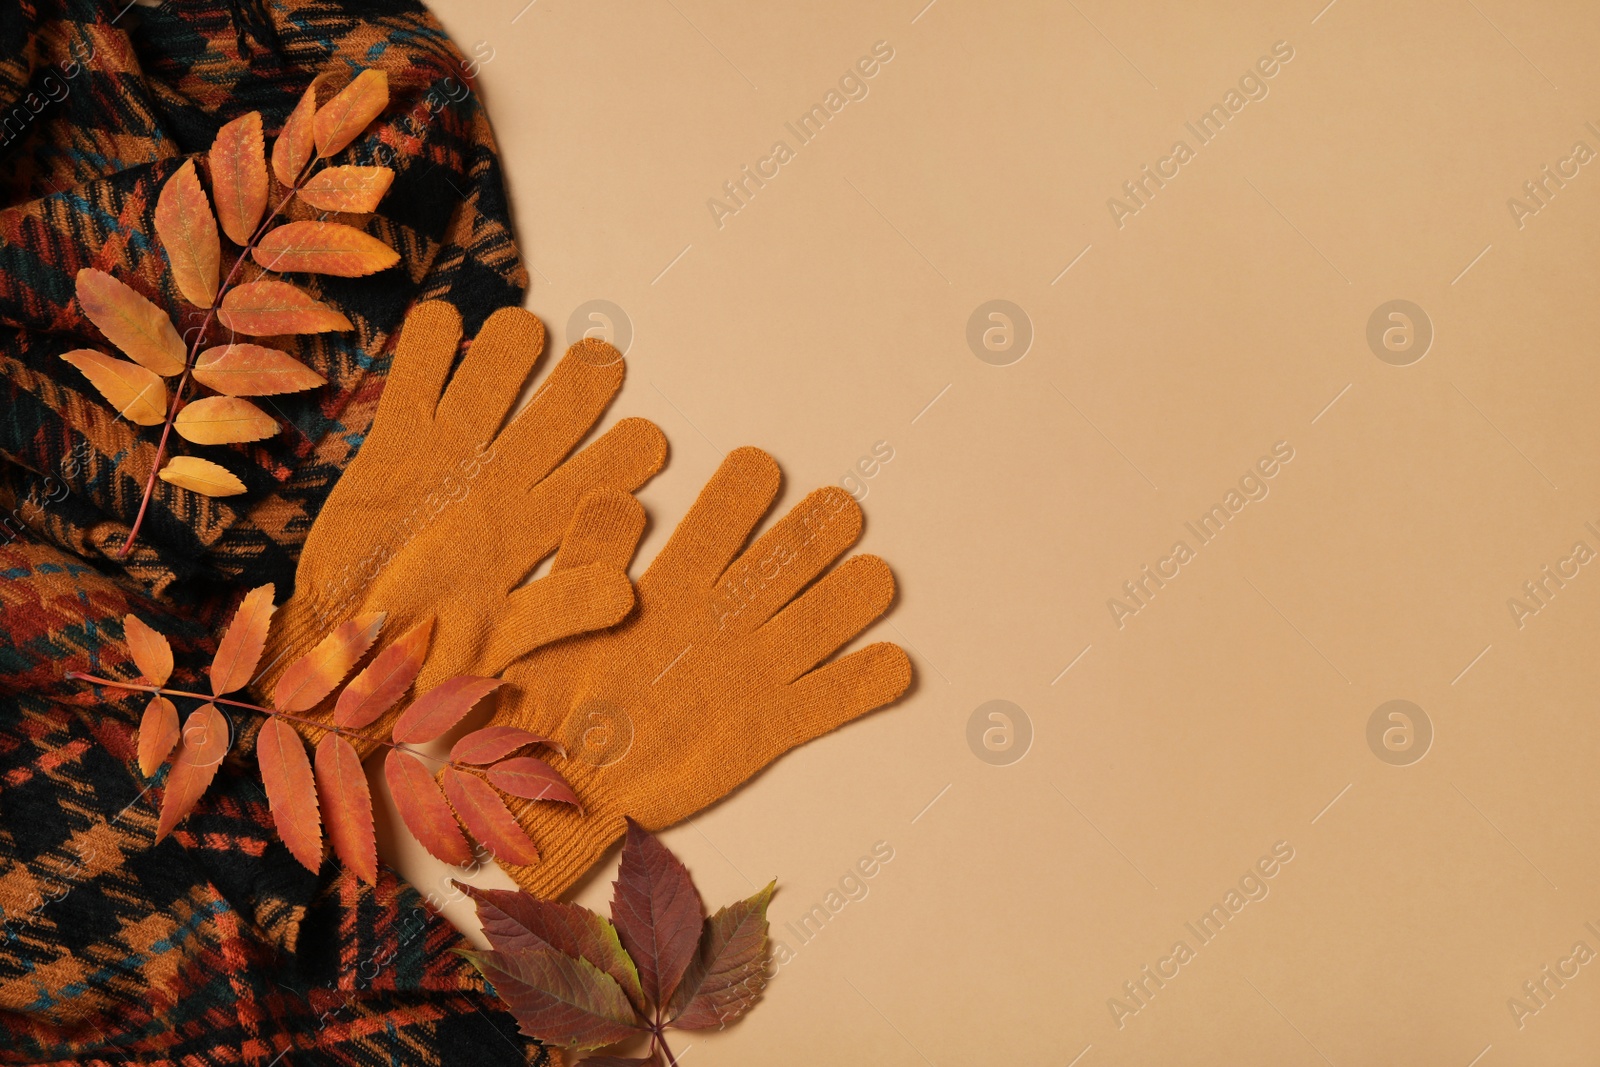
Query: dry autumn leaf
x=268, y=308
x=423, y=807
x=729, y=971
x=188, y=232
x=239, y=176
x=223, y=420
x=488, y=819
x=158, y=732
x=314, y=675
x=347, y=188
x=533, y=779
x=142, y=331
x=342, y=119
x=385, y=680
x=347, y=806
x=136, y=394
x=201, y=476
x=567, y=1001
x=205, y=742
x=292, y=150
x=442, y=707
x=239, y=651
x=291, y=791
x=496, y=742
x=150, y=650
x=324, y=248
x=253, y=370
x=657, y=911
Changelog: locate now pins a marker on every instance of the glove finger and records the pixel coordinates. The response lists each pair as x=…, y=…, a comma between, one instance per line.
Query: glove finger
x=562, y=411
x=836, y=609
x=490, y=378
x=785, y=559
x=574, y=601
x=422, y=358
x=719, y=523
x=606, y=529
x=832, y=695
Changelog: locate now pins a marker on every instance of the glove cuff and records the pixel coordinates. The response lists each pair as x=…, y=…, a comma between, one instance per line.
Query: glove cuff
x=569, y=844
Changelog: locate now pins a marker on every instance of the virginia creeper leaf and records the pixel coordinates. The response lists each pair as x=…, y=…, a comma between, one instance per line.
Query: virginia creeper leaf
x=158, y=732
x=240, y=648
x=495, y=742
x=442, y=707
x=143, y=332
x=729, y=971
x=291, y=791
x=558, y=999
x=347, y=806
x=487, y=818
x=342, y=119
x=313, y=676
x=201, y=476
x=223, y=420
x=292, y=150
x=526, y=776
x=347, y=188
x=423, y=807
x=251, y=370
x=385, y=680
x=267, y=308
x=188, y=232
x=138, y=395
x=150, y=650
x=200, y=752
x=239, y=176
x=324, y=248
x=657, y=911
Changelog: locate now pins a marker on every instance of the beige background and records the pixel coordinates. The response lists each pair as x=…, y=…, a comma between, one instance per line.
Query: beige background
x=1229, y=314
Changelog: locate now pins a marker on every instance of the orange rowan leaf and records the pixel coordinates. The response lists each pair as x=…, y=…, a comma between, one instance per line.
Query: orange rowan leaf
x=158, y=732
x=136, y=394
x=423, y=808
x=347, y=806
x=200, y=476
x=291, y=791
x=324, y=248
x=252, y=370
x=150, y=650
x=223, y=420
x=239, y=176
x=205, y=742
x=385, y=680
x=240, y=648
x=442, y=707
x=495, y=742
x=488, y=818
x=347, y=188
x=292, y=150
x=342, y=119
x=188, y=232
x=267, y=308
x=313, y=676
x=533, y=779
x=141, y=330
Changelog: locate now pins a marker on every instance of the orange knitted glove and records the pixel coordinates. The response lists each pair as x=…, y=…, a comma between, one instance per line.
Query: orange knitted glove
x=710, y=678
x=442, y=513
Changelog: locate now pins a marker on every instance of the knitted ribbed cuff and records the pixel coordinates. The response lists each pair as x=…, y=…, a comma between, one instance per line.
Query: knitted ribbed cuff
x=569, y=843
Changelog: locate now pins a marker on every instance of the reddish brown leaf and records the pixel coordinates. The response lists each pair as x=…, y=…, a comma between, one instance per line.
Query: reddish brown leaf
x=347, y=188
x=324, y=248
x=313, y=676
x=385, y=680
x=494, y=742
x=487, y=817
x=205, y=742
x=239, y=176
x=188, y=232
x=268, y=308
x=442, y=707
x=558, y=999
x=347, y=806
x=729, y=971
x=158, y=732
x=342, y=119
x=657, y=911
x=150, y=650
x=136, y=394
x=143, y=332
x=240, y=648
x=223, y=420
x=534, y=779
x=292, y=150
x=251, y=370
x=200, y=476
x=291, y=791
x=652, y=1060
x=515, y=922
x=423, y=808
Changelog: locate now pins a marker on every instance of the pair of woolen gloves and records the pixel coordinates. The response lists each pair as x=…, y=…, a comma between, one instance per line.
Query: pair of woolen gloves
x=667, y=695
